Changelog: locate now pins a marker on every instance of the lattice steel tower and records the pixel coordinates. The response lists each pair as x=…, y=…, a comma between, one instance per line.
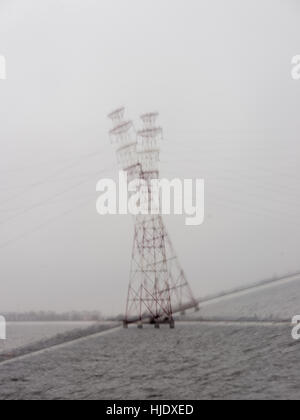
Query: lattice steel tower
x=158, y=287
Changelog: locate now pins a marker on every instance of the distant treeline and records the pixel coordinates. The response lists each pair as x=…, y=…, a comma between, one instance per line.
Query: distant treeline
x=44, y=316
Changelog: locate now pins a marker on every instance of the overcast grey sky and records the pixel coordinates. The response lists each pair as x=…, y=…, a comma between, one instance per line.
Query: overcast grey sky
x=218, y=72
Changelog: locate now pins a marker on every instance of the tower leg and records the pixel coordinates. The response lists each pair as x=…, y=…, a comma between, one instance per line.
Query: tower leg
x=172, y=324
x=125, y=325
x=157, y=326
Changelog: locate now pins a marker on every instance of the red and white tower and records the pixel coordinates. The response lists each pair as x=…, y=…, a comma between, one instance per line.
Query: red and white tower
x=158, y=287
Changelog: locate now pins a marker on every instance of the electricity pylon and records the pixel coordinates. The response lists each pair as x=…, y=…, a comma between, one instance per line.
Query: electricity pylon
x=158, y=286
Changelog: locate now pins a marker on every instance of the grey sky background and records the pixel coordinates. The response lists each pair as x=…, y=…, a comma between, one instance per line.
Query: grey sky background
x=218, y=72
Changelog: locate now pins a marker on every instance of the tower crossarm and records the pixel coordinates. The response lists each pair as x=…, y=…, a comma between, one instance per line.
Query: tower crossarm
x=117, y=116
x=121, y=128
x=151, y=133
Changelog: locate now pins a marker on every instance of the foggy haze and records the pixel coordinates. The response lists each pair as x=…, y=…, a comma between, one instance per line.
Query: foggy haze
x=219, y=73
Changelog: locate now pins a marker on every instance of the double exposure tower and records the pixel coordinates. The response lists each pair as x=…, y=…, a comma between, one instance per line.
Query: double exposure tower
x=158, y=286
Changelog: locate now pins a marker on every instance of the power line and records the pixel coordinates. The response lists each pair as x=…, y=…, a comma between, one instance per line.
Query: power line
x=52, y=176
x=41, y=226
x=43, y=202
